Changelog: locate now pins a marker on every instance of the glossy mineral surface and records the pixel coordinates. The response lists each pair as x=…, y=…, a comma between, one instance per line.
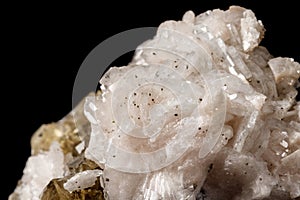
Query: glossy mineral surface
x=201, y=112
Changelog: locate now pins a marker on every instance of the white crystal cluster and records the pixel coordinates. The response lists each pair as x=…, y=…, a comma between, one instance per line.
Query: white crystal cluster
x=39, y=171
x=201, y=96
x=201, y=112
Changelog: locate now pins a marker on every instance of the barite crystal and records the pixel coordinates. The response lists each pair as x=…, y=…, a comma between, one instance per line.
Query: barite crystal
x=201, y=112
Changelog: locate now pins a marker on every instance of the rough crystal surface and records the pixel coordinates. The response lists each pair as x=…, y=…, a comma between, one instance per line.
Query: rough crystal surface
x=201, y=112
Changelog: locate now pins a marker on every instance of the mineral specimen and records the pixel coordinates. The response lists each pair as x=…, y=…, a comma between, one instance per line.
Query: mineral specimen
x=201, y=112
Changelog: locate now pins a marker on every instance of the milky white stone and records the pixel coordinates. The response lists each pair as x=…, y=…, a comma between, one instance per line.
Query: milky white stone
x=39, y=171
x=82, y=180
x=199, y=94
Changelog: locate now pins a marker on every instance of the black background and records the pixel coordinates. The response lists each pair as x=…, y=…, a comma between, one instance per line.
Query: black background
x=46, y=44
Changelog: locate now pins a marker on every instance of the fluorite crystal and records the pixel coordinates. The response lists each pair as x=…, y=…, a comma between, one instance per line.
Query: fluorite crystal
x=201, y=112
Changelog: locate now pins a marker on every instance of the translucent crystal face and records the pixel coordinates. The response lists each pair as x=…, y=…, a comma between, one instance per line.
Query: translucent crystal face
x=146, y=118
x=149, y=113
